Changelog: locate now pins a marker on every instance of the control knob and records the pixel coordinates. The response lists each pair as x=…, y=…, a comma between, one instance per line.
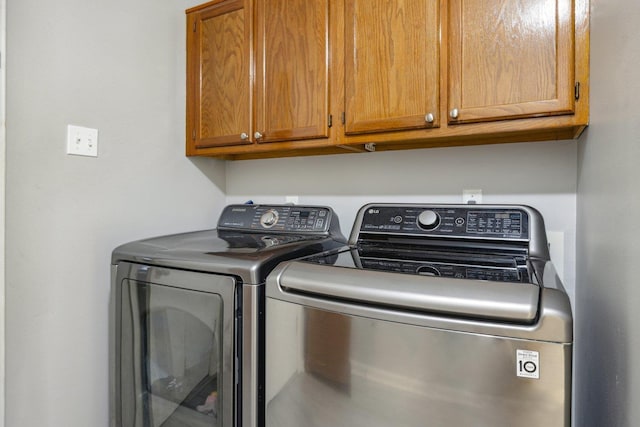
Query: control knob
x=428, y=220
x=269, y=218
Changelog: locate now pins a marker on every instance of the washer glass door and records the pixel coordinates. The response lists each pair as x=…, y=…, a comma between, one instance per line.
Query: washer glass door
x=172, y=356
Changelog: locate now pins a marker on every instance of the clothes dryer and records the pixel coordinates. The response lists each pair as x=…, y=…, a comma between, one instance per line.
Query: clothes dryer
x=187, y=335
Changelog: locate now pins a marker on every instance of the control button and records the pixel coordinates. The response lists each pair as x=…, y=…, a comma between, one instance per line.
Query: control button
x=428, y=220
x=269, y=218
x=397, y=219
x=459, y=221
x=270, y=241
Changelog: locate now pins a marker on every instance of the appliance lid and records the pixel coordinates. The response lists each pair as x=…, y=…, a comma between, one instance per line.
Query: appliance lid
x=436, y=262
x=469, y=297
x=242, y=246
x=479, y=266
x=476, y=242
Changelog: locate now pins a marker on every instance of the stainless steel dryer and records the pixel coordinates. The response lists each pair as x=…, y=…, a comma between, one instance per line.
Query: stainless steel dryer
x=434, y=316
x=187, y=313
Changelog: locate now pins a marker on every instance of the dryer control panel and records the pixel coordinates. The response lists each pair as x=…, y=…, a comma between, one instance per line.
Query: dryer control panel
x=278, y=218
x=470, y=221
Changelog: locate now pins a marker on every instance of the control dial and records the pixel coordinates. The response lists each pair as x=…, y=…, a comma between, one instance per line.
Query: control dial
x=428, y=220
x=269, y=218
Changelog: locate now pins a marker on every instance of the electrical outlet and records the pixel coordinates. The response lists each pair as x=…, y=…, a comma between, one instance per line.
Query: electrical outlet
x=472, y=196
x=82, y=141
x=555, y=240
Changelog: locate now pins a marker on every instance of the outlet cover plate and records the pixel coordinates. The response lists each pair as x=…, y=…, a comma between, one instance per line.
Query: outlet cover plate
x=472, y=196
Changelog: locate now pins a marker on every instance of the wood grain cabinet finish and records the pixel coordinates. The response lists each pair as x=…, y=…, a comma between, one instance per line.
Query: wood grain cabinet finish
x=510, y=59
x=218, y=75
x=273, y=78
x=392, y=65
x=258, y=77
x=292, y=70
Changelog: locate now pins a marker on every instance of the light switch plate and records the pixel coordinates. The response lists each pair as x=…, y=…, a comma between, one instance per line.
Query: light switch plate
x=82, y=141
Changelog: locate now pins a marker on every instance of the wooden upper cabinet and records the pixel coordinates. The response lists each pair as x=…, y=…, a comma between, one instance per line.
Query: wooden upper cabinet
x=218, y=75
x=271, y=78
x=292, y=70
x=392, y=52
x=510, y=59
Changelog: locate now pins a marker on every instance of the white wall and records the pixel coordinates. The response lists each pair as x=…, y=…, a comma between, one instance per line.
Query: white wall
x=117, y=66
x=608, y=293
x=541, y=174
x=3, y=91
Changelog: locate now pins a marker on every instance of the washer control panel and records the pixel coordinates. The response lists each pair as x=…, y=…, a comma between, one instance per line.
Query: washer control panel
x=459, y=221
x=280, y=218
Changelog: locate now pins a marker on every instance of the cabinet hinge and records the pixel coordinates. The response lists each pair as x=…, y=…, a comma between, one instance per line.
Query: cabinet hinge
x=576, y=91
x=343, y=117
x=193, y=134
x=195, y=24
x=330, y=121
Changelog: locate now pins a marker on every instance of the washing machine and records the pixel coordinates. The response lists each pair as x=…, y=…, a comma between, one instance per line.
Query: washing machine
x=187, y=335
x=433, y=315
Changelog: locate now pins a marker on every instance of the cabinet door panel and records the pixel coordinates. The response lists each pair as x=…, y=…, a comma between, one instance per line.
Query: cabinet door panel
x=219, y=87
x=391, y=64
x=510, y=59
x=292, y=69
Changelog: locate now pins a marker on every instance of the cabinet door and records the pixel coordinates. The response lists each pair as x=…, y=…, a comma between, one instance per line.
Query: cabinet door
x=391, y=65
x=292, y=70
x=218, y=75
x=510, y=59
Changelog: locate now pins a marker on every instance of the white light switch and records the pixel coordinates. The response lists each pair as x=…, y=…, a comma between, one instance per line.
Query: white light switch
x=82, y=141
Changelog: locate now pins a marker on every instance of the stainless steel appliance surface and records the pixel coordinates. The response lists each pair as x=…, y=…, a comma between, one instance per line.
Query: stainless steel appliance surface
x=187, y=327
x=432, y=316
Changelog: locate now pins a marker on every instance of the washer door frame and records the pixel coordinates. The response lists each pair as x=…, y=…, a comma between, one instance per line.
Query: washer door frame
x=125, y=393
